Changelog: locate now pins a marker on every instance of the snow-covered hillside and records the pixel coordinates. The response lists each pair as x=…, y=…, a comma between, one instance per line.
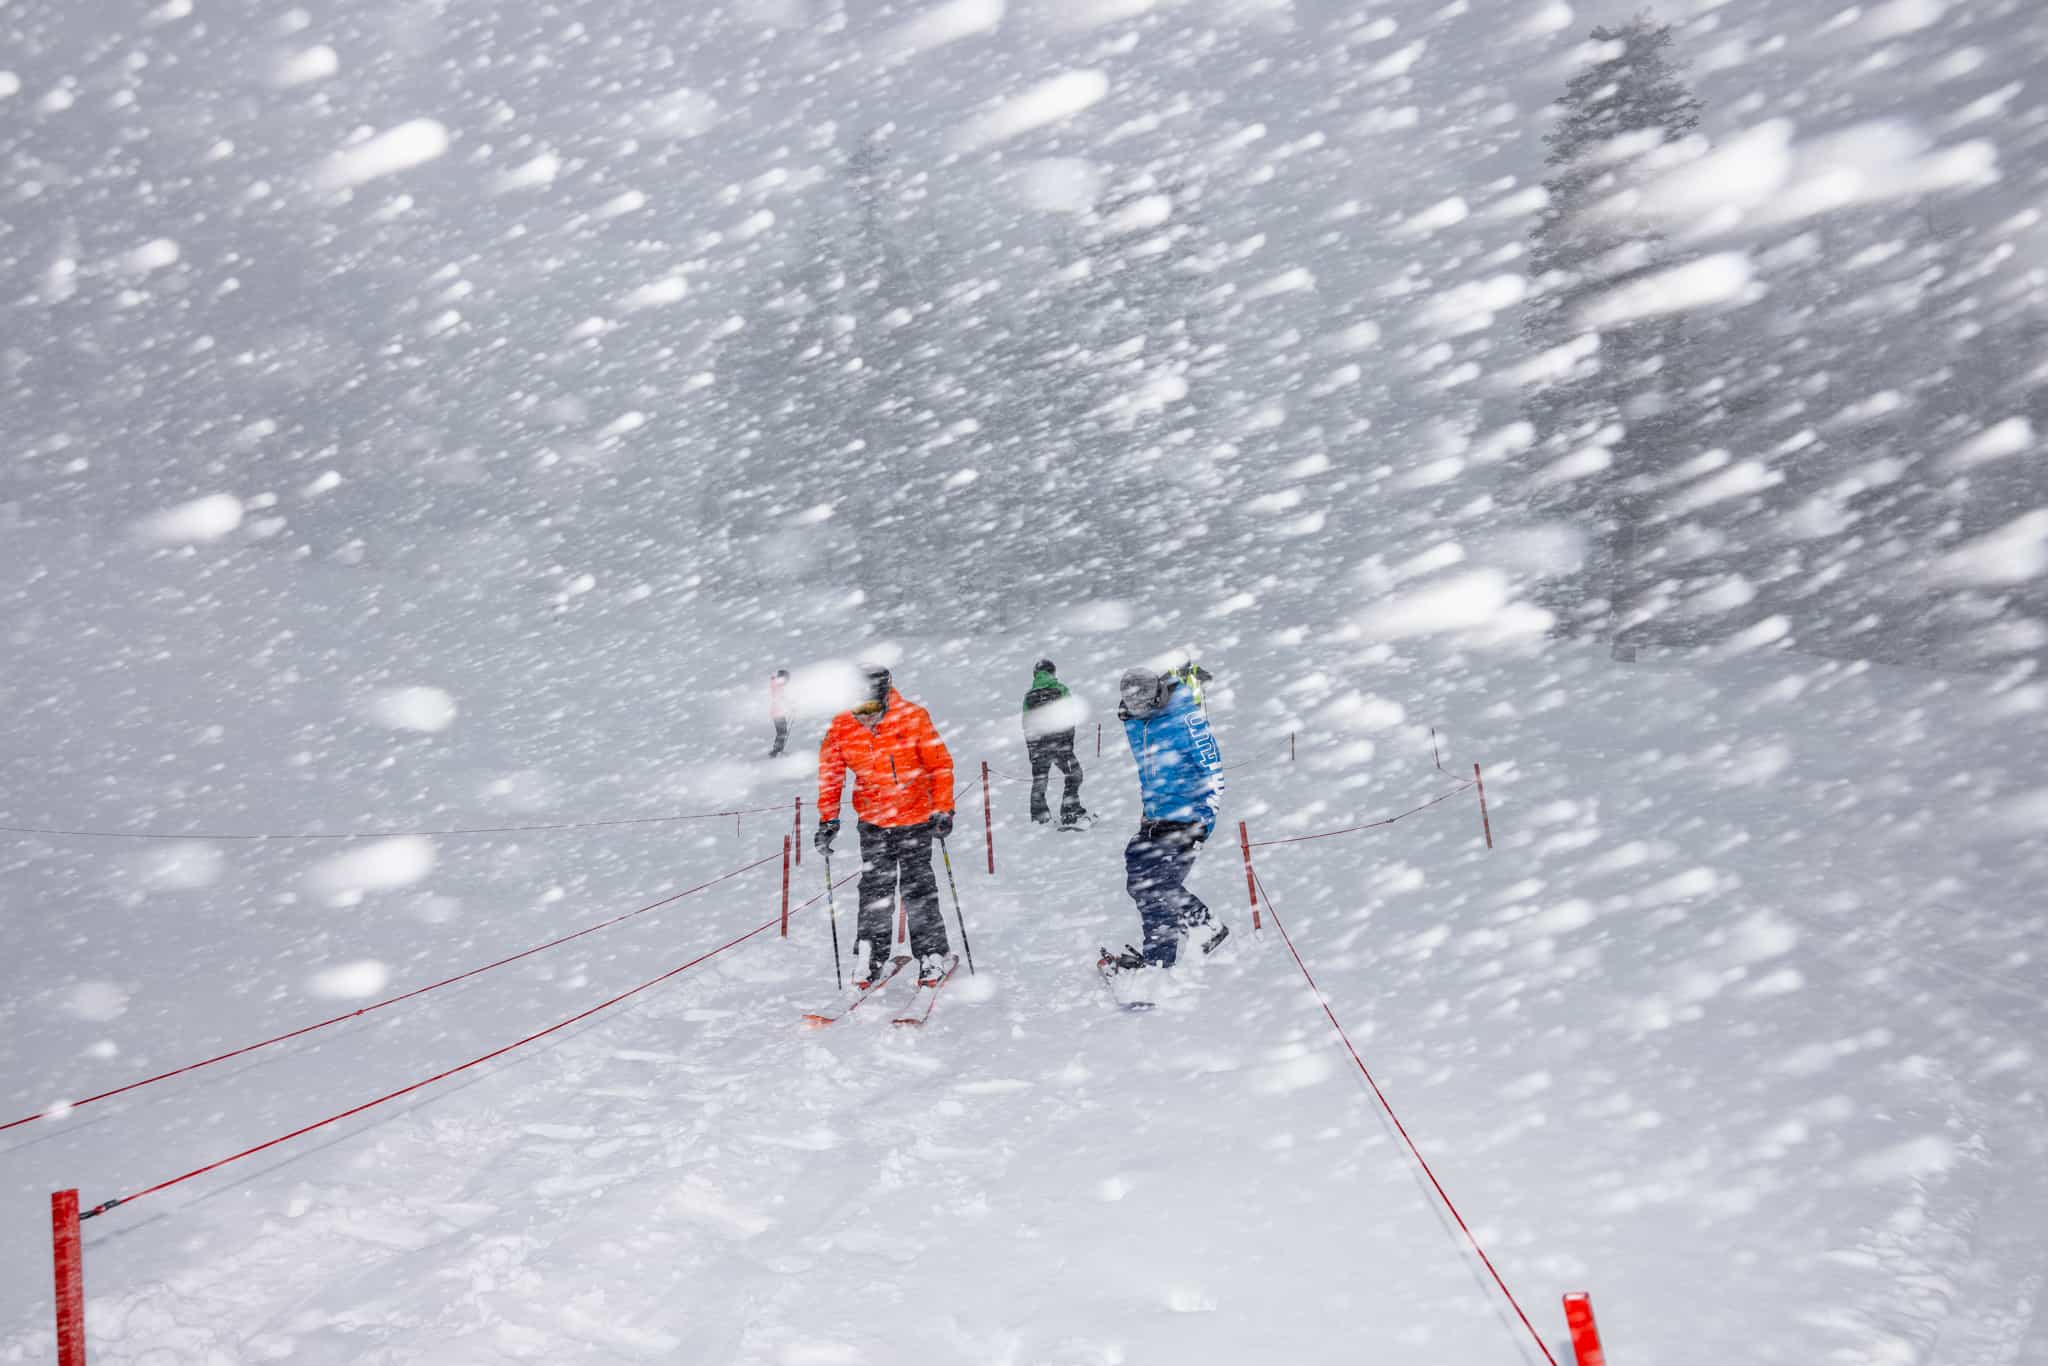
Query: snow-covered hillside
x=425, y=425
x=1737, y=1027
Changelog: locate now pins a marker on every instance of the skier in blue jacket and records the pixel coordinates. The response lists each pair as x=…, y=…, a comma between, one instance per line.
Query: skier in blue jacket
x=1180, y=774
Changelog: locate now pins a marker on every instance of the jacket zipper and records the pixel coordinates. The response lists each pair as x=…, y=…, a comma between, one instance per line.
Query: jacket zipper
x=1144, y=766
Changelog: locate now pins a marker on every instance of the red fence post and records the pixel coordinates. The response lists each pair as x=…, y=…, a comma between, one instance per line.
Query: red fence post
x=70, y=1268
x=1485, y=821
x=1098, y=739
x=1251, y=884
x=1578, y=1316
x=798, y=833
x=988, y=819
x=787, y=842
x=1290, y=746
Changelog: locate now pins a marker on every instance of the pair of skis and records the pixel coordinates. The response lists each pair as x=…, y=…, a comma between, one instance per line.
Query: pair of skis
x=913, y=1015
x=920, y=1008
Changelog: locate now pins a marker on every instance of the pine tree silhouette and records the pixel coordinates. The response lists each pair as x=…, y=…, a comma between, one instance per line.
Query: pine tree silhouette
x=1610, y=418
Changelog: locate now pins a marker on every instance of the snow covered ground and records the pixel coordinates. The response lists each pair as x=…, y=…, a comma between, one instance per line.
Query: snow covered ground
x=1738, y=1027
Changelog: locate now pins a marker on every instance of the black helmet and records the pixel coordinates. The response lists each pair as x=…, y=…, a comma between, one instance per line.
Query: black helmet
x=1043, y=666
x=875, y=685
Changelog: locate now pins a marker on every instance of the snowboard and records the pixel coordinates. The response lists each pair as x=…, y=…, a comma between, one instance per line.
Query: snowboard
x=1129, y=988
x=1140, y=989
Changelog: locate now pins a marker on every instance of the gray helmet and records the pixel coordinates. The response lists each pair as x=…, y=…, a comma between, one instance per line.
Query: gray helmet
x=1142, y=692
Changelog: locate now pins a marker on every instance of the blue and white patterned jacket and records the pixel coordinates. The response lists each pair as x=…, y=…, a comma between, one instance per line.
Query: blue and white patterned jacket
x=1180, y=769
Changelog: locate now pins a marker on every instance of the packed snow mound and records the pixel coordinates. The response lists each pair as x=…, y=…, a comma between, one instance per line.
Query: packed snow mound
x=1676, y=863
x=202, y=519
x=418, y=708
x=401, y=148
x=350, y=981
x=377, y=866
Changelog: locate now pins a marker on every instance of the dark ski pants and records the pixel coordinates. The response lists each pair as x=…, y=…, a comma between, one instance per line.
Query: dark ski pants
x=1156, y=867
x=1046, y=751
x=893, y=857
x=781, y=735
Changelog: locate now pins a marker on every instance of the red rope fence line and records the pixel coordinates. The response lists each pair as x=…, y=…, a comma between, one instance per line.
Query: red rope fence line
x=1369, y=825
x=67, y=1106
x=1227, y=768
x=383, y=834
x=559, y=1025
x=1401, y=1128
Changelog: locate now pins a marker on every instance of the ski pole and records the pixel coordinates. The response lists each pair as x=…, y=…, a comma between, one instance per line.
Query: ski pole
x=957, y=913
x=832, y=904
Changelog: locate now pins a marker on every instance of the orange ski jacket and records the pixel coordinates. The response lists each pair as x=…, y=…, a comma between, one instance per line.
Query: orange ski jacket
x=902, y=772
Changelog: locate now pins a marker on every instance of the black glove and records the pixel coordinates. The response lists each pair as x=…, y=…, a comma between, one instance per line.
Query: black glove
x=822, y=838
x=941, y=825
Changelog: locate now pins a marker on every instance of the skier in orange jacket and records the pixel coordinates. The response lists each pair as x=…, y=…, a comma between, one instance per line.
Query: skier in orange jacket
x=902, y=801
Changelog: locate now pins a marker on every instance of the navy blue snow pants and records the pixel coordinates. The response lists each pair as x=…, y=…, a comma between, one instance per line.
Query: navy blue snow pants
x=1156, y=867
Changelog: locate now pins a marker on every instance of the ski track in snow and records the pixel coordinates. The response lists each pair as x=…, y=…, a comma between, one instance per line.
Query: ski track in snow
x=1729, y=1019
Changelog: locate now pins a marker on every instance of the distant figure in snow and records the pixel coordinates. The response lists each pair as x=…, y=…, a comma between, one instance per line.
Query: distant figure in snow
x=1049, y=720
x=778, y=709
x=903, y=799
x=1180, y=775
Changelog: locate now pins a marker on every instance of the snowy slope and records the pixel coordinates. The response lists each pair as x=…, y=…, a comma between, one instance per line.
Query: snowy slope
x=1736, y=1028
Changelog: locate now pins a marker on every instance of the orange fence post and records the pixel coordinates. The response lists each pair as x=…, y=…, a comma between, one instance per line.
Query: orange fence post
x=1251, y=884
x=787, y=843
x=1485, y=821
x=988, y=819
x=69, y=1264
x=1578, y=1316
